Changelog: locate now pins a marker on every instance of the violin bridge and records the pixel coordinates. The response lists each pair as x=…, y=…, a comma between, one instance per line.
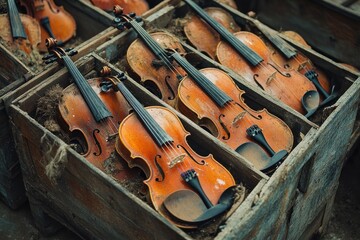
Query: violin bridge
x=272, y=77
x=111, y=136
x=176, y=160
x=238, y=118
x=303, y=65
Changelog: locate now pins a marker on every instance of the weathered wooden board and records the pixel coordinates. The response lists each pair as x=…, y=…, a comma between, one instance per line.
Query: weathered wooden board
x=12, y=74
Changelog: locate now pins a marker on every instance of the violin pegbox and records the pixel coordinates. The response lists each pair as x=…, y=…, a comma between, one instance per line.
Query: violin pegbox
x=109, y=82
x=55, y=52
x=121, y=20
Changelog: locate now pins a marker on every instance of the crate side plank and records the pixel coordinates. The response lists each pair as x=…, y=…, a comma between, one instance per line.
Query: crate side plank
x=276, y=198
x=331, y=148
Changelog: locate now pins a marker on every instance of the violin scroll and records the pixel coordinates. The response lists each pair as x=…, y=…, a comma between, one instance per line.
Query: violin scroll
x=56, y=52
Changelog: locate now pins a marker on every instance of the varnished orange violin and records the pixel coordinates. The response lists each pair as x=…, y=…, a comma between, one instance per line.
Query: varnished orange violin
x=18, y=30
x=55, y=21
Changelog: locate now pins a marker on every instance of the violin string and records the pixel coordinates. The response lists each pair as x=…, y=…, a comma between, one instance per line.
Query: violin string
x=237, y=44
x=154, y=45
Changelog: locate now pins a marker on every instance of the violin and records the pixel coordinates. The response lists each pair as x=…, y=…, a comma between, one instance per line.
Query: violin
x=179, y=180
x=18, y=30
x=148, y=60
x=211, y=99
x=246, y=54
x=92, y=116
x=54, y=20
x=286, y=56
x=136, y=6
x=211, y=95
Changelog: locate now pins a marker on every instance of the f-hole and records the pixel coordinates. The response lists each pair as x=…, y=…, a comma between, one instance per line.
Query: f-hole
x=161, y=171
x=224, y=127
x=97, y=131
x=200, y=163
x=283, y=74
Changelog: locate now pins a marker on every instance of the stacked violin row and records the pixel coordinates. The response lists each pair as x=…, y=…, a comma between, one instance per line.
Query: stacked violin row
x=176, y=176
x=201, y=73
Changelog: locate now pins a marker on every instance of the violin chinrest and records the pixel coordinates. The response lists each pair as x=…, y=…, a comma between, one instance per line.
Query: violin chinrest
x=310, y=102
x=259, y=157
x=185, y=205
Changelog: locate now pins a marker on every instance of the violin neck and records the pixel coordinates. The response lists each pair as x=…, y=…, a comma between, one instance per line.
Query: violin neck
x=157, y=133
x=96, y=106
x=252, y=57
x=286, y=49
x=216, y=94
x=151, y=43
x=17, y=29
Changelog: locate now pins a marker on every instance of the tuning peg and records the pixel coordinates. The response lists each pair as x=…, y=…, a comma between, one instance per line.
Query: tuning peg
x=50, y=60
x=117, y=20
x=105, y=86
x=138, y=19
x=132, y=14
x=73, y=52
x=121, y=76
x=47, y=56
x=121, y=26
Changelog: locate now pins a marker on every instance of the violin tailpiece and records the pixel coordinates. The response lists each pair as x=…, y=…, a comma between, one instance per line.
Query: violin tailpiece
x=191, y=178
x=256, y=134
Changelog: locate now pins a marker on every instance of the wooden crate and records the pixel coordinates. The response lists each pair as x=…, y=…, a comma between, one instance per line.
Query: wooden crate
x=326, y=25
x=294, y=202
x=12, y=74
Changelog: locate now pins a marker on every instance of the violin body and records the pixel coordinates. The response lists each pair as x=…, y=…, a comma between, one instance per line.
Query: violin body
x=137, y=147
x=32, y=30
x=157, y=78
x=136, y=6
x=286, y=85
x=300, y=62
x=229, y=123
x=100, y=137
x=195, y=29
x=54, y=20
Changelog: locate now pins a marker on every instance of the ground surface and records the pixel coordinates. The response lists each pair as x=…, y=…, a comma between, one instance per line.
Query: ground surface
x=344, y=224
